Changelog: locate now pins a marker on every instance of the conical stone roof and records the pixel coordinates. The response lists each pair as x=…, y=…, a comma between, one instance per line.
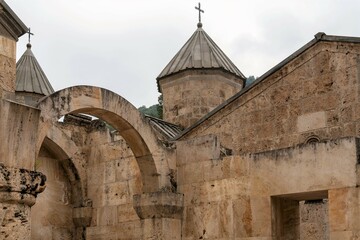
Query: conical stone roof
x=29, y=75
x=200, y=52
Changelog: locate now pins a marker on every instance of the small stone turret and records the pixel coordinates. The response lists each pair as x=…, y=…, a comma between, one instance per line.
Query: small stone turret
x=31, y=81
x=197, y=79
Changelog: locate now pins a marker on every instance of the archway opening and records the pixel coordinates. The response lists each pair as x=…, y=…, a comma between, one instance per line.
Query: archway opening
x=118, y=113
x=52, y=215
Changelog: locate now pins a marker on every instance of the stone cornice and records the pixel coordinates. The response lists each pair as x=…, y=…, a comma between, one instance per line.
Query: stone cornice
x=11, y=22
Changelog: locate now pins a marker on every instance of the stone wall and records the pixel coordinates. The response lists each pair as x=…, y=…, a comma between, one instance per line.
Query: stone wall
x=7, y=64
x=314, y=217
x=190, y=95
x=18, y=129
x=315, y=95
x=244, y=196
x=113, y=181
x=113, y=178
x=112, y=166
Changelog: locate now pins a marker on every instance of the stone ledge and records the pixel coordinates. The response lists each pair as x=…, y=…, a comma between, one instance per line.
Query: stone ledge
x=159, y=205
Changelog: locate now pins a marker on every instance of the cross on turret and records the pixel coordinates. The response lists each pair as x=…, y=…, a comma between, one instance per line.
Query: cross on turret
x=200, y=11
x=30, y=33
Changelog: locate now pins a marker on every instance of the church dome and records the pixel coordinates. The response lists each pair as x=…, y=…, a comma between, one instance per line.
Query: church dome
x=200, y=52
x=30, y=77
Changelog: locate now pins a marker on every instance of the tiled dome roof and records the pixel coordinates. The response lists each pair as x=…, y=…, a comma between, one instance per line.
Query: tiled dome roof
x=200, y=51
x=29, y=75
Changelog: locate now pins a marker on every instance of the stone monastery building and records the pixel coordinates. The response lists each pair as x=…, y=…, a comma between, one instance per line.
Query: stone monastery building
x=277, y=159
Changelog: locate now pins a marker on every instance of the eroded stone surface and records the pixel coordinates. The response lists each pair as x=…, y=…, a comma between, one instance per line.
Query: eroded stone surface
x=15, y=221
x=27, y=184
x=18, y=190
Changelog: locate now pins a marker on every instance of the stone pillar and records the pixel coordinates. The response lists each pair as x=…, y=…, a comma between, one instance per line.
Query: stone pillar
x=18, y=191
x=19, y=185
x=161, y=214
x=314, y=219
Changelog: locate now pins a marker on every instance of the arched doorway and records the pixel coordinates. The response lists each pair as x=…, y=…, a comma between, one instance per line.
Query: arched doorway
x=110, y=183
x=52, y=215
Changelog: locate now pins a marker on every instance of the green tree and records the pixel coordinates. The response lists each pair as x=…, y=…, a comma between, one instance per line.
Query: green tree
x=155, y=110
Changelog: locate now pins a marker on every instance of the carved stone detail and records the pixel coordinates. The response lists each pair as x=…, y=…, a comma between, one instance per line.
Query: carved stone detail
x=20, y=185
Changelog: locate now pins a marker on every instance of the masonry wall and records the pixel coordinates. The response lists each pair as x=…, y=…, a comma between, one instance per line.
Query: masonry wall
x=21, y=122
x=245, y=196
x=316, y=94
x=315, y=97
x=314, y=217
x=190, y=95
x=113, y=178
x=7, y=63
x=110, y=180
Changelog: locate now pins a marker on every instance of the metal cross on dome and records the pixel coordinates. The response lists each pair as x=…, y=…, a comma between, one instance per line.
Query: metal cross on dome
x=30, y=33
x=200, y=11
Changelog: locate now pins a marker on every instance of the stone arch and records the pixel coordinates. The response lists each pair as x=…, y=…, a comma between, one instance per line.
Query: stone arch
x=53, y=214
x=312, y=139
x=56, y=141
x=115, y=110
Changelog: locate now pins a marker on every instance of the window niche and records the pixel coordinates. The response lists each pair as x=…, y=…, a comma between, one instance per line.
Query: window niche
x=300, y=216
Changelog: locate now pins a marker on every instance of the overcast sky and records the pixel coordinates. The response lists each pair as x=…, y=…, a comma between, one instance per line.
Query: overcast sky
x=123, y=45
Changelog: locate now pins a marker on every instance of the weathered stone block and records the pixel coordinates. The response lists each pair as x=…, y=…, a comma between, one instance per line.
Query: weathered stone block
x=126, y=168
x=109, y=172
x=162, y=229
x=126, y=213
x=159, y=205
x=96, y=174
x=344, y=235
x=213, y=170
x=20, y=129
x=96, y=194
x=344, y=209
x=107, y=216
x=7, y=64
x=20, y=185
x=209, y=220
x=116, y=193
x=196, y=150
x=15, y=221
x=311, y=121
